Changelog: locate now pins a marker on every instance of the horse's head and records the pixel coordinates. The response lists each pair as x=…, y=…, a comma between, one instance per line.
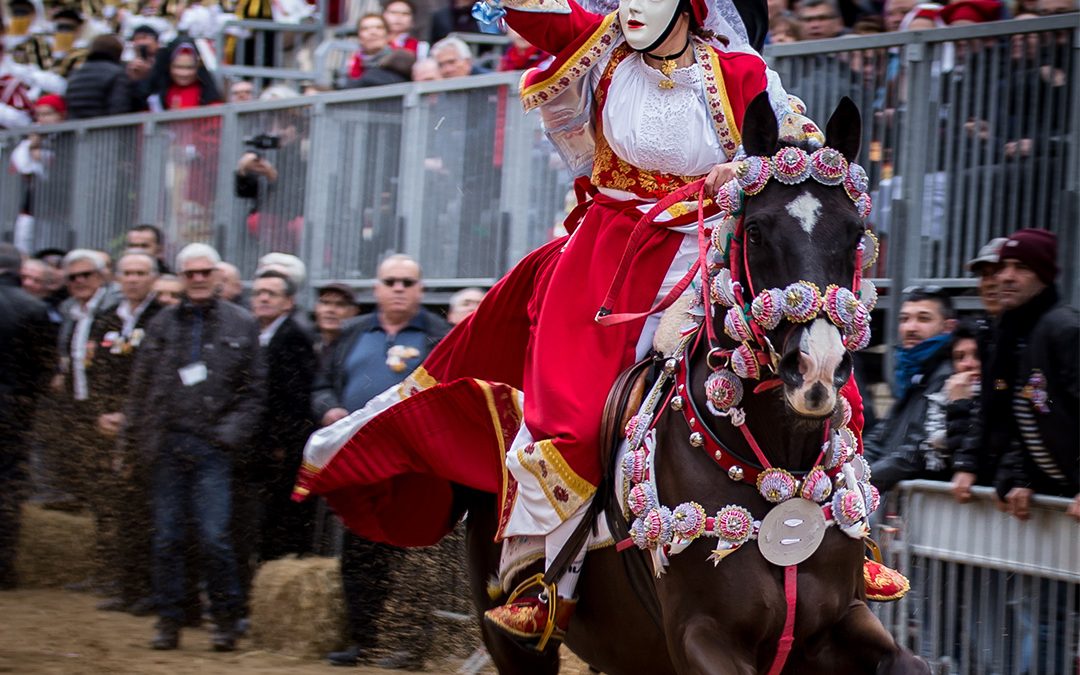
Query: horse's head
x=802, y=230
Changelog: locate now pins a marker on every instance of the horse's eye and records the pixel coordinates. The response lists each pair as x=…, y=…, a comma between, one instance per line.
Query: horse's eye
x=753, y=234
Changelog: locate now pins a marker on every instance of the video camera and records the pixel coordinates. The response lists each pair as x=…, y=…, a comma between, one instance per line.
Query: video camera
x=263, y=142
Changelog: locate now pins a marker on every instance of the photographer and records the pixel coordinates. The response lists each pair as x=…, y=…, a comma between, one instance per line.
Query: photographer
x=272, y=173
x=144, y=46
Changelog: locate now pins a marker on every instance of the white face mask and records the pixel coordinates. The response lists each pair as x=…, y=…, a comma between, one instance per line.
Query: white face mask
x=645, y=22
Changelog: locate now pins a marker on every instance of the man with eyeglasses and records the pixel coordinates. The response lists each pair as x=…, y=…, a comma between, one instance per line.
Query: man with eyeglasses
x=819, y=20
x=1033, y=413
x=911, y=441
x=373, y=353
x=197, y=399
x=84, y=272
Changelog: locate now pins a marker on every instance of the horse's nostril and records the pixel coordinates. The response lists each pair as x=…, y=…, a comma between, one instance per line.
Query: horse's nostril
x=816, y=396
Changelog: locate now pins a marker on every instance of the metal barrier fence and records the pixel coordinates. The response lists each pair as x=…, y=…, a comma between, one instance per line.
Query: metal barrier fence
x=450, y=172
x=990, y=595
x=969, y=133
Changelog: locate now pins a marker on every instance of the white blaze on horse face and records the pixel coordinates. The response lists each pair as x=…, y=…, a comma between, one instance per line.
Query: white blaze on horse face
x=805, y=208
x=821, y=351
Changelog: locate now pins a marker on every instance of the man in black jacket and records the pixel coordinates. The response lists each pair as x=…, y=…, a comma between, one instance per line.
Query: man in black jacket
x=374, y=352
x=197, y=398
x=122, y=507
x=1033, y=414
x=291, y=364
x=27, y=357
x=910, y=442
x=100, y=86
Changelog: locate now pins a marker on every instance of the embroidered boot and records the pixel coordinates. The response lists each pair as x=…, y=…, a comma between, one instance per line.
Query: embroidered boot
x=534, y=620
x=883, y=584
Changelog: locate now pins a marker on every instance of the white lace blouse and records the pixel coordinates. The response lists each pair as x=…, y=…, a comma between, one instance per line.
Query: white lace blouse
x=655, y=129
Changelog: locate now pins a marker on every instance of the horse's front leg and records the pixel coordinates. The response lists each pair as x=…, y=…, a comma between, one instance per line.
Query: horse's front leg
x=700, y=647
x=858, y=643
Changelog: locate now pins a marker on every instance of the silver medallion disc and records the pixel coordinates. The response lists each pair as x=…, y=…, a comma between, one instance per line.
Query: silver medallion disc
x=791, y=532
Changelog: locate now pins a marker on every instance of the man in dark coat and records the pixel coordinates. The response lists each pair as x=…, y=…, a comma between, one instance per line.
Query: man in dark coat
x=291, y=364
x=911, y=441
x=124, y=517
x=27, y=358
x=373, y=353
x=1033, y=415
x=100, y=86
x=197, y=397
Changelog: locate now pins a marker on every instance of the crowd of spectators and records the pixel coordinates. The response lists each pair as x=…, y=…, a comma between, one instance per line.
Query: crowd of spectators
x=187, y=402
x=991, y=399
x=160, y=55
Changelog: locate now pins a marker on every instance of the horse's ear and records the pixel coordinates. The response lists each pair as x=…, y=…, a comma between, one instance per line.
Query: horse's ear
x=844, y=130
x=760, y=129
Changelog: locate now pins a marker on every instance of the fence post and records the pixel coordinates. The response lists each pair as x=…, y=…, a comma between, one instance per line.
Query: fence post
x=414, y=142
x=905, y=236
x=517, y=170
x=228, y=156
x=1071, y=243
x=324, y=133
x=81, y=177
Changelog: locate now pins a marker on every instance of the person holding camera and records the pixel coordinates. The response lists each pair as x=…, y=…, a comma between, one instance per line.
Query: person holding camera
x=271, y=173
x=253, y=164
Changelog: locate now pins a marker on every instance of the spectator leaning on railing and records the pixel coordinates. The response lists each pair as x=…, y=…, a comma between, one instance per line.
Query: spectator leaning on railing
x=819, y=20
x=455, y=59
x=910, y=442
x=1033, y=414
x=973, y=463
x=375, y=62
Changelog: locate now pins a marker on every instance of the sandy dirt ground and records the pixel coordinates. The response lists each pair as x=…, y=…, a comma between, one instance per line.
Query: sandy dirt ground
x=54, y=632
x=59, y=632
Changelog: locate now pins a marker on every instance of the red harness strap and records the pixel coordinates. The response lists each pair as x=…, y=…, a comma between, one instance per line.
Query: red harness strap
x=791, y=578
x=604, y=317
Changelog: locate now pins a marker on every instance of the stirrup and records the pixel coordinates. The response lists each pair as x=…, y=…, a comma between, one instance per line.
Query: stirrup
x=882, y=583
x=521, y=619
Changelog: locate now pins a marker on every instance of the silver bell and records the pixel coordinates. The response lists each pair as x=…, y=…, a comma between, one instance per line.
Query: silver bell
x=735, y=473
x=696, y=439
x=677, y=403
x=671, y=365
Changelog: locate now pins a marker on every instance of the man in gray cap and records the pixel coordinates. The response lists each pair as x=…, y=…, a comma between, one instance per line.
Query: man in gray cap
x=985, y=266
x=965, y=406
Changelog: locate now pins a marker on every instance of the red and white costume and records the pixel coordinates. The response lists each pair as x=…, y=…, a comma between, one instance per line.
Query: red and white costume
x=511, y=401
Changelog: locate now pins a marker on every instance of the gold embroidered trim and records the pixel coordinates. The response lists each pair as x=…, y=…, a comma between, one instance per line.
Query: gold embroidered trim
x=417, y=381
x=576, y=67
x=489, y=397
x=719, y=105
x=565, y=490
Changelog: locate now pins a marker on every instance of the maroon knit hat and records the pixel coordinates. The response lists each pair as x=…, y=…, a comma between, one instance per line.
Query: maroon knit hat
x=1035, y=248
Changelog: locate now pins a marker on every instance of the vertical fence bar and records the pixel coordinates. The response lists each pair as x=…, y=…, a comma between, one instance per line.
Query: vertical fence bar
x=411, y=193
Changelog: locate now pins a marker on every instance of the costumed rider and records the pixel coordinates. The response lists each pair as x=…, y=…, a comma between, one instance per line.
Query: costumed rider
x=640, y=102
x=667, y=84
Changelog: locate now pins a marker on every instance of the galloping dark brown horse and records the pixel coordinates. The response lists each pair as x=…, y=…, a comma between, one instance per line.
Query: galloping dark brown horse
x=728, y=619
